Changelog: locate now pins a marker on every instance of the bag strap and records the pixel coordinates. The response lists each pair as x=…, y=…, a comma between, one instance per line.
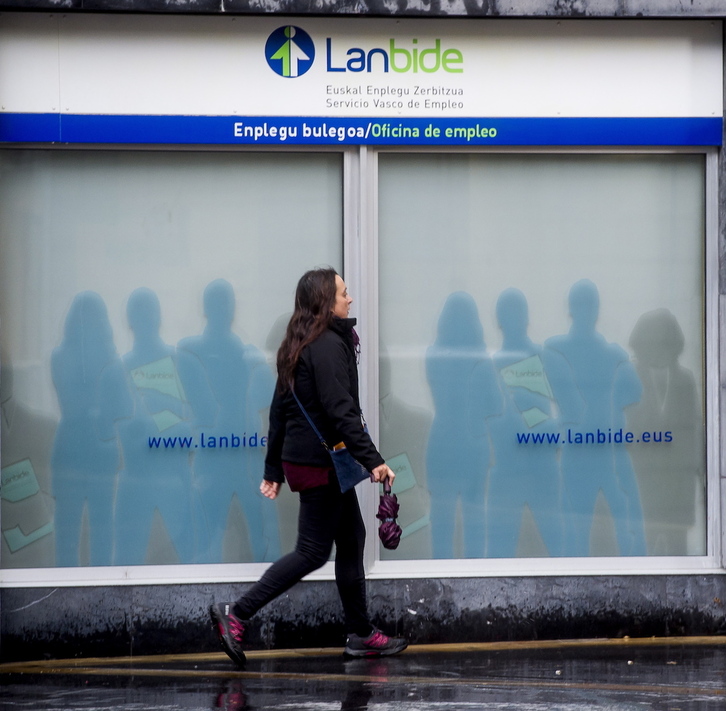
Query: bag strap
x=309, y=419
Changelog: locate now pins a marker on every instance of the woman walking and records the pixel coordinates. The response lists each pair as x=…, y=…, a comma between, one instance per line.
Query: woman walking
x=317, y=366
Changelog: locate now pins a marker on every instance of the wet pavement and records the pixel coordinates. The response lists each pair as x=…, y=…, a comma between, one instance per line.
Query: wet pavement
x=666, y=674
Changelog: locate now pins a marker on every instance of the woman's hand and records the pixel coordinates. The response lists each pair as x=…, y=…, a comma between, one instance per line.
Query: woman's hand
x=270, y=489
x=383, y=471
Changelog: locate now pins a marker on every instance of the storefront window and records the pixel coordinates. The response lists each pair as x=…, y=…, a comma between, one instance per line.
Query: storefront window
x=142, y=298
x=542, y=339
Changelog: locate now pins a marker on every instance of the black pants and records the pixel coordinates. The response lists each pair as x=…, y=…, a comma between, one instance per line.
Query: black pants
x=326, y=517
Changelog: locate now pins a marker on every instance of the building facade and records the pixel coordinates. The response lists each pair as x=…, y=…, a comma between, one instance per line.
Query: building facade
x=527, y=205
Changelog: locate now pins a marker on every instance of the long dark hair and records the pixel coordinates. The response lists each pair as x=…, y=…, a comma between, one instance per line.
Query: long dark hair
x=314, y=302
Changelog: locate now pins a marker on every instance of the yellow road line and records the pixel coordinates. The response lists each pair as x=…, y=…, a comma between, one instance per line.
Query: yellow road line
x=139, y=666
x=334, y=651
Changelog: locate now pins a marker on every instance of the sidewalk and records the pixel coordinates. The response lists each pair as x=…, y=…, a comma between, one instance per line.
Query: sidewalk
x=673, y=673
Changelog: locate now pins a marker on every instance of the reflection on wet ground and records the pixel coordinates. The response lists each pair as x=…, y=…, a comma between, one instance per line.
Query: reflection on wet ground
x=675, y=674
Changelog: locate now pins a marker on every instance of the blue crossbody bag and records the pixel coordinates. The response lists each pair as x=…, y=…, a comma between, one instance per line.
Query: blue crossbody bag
x=348, y=470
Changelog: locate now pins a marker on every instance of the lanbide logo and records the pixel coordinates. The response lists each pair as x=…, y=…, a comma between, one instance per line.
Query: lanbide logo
x=412, y=58
x=290, y=51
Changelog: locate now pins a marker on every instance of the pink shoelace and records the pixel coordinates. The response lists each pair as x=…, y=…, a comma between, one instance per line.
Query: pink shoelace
x=377, y=640
x=236, y=628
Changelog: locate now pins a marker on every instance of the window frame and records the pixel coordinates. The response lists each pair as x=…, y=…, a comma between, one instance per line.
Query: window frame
x=712, y=561
x=360, y=264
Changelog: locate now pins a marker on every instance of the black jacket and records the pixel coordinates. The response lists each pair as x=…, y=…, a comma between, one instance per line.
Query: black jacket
x=326, y=382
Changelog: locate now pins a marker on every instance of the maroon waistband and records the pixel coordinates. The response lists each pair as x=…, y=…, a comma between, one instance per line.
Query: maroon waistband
x=301, y=476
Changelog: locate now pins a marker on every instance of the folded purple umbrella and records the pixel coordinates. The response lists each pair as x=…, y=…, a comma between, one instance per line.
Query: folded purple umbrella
x=389, y=531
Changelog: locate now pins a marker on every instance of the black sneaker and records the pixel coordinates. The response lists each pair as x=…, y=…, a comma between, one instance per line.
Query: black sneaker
x=376, y=644
x=230, y=630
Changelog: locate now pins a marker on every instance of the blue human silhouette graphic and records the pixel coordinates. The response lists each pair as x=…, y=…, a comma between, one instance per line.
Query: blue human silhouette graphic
x=242, y=384
x=671, y=469
x=539, y=396
x=26, y=510
x=464, y=388
x=608, y=384
x=167, y=397
x=404, y=431
x=83, y=463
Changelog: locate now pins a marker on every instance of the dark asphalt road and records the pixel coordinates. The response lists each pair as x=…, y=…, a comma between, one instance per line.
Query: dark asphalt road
x=664, y=674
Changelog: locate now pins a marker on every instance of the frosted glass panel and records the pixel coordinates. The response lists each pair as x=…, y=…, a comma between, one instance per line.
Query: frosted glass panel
x=142, y=298
x=542, y=353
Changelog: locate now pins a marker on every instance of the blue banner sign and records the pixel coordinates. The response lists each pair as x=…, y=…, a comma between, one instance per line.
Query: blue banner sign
x=276, y=130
